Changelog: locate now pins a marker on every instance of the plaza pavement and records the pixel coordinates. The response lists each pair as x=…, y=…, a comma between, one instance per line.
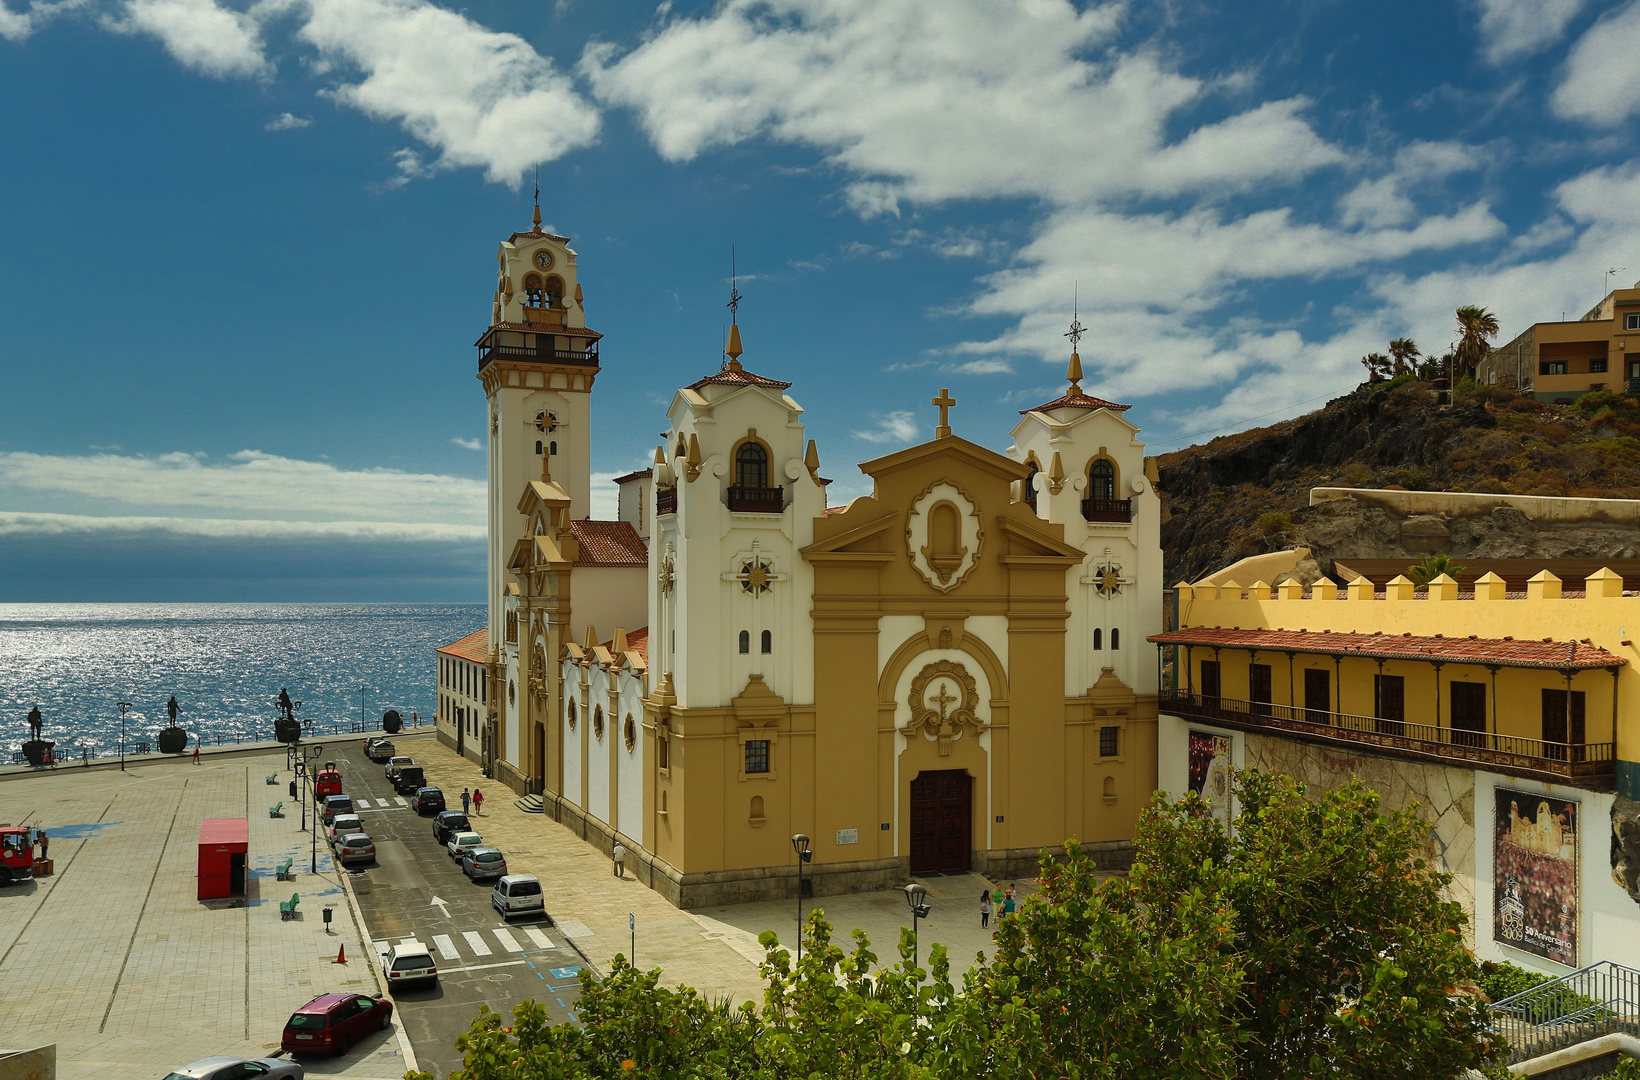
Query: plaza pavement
x=115, y=960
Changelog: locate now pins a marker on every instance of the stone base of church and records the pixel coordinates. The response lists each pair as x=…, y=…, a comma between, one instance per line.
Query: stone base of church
x=1011, y=864
x=507, y=774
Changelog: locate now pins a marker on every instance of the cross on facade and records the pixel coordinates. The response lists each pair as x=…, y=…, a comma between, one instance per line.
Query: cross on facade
x=1107, y=579
x=945, y=699
x=944, y=401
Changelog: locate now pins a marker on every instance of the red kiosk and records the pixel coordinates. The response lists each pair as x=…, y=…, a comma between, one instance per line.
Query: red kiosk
x=223, y=846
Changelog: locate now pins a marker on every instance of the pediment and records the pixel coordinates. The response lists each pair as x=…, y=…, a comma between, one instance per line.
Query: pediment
x=838, y=547
x=541, y=493
x=1036, y=541
x=990, y=461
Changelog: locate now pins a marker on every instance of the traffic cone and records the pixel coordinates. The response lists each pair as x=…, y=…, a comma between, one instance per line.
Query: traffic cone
x=341, y=955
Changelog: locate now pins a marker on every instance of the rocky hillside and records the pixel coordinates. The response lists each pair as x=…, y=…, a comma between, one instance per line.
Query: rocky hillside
x=1248, y=493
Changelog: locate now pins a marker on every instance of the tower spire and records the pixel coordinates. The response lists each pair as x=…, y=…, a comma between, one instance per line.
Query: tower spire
x=538, y=199
x=733, y=350
x=1073, y=372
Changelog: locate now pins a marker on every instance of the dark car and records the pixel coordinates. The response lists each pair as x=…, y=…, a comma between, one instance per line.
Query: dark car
x=483, y=863
x=448, y=823
x=409, y=778
x=428, y=800
x=331, y=1023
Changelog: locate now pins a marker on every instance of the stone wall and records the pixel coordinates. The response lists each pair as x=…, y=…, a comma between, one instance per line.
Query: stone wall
x=1444, y=796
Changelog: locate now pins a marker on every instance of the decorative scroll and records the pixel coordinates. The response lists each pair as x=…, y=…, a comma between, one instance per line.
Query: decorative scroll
x=944, y=701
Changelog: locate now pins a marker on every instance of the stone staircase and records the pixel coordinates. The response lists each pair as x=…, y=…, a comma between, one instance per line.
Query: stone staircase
x=531, y=804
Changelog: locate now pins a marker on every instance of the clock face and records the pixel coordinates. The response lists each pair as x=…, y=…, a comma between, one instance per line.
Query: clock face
x=543, y=259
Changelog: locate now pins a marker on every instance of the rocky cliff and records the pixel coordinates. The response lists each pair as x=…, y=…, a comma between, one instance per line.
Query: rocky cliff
x=1248, y=493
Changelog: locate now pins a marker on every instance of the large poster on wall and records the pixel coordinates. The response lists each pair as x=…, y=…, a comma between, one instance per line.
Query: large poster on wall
x=1534, y=875
x=1210, y=771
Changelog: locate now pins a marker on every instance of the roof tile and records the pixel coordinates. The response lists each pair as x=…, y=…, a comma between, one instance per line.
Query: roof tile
x=475, y=646
x=1554, y=655
x=609, y=543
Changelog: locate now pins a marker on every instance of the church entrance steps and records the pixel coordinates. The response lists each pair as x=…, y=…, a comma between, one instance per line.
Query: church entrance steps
x=530, y=804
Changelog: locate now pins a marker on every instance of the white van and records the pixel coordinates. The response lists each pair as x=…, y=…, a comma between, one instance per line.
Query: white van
x=517, y=894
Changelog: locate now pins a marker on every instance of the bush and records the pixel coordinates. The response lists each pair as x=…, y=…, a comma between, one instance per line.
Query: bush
x=1502, y=979
x=1274, y=521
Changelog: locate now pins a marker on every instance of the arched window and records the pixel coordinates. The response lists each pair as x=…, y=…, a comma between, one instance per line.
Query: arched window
x=598, y=723
x=1110, y=787
x=1101, y=480
x=1115, y=638
x=745, y=642
x=751, y=465
x=555, y=291
x=537, y=446
x=768, y=642
x=630, y=730
x=1098, y=639
x=553, y=447
x=572, y=716
x=1029, y=486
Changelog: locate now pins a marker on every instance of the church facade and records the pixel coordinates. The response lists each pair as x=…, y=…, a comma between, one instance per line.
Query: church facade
x=948, y=674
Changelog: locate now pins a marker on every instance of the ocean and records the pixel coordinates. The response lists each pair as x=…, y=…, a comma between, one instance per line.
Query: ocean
x=224, y=662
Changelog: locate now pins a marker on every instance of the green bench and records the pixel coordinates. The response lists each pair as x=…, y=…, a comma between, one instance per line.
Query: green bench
x=272, y=778
x=277, y=809
x=282, y=872
x=287, y=908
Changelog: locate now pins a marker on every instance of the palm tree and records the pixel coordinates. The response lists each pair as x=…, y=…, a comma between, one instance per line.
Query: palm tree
x=1430, y=567
x=1476, y=329
x=1403, y=350
x=1377, y=365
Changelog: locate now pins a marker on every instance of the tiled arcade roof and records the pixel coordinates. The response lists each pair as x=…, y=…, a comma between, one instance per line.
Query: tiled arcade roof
x=475, y=647
x=739, y=377
x=1078, y=401
x=1545, y=653
x=636, y=641
x=609, y=543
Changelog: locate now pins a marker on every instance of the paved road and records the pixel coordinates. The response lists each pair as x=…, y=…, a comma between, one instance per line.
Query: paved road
x=482, y=959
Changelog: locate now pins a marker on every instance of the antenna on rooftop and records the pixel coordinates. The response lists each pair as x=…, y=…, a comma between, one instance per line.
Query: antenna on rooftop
x=1609, y=273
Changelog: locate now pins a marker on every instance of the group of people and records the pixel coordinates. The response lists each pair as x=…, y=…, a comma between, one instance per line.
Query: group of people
x=999, y=900
x=472, y=802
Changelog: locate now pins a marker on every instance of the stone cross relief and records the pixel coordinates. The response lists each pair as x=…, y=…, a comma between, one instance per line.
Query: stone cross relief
x=944, y=698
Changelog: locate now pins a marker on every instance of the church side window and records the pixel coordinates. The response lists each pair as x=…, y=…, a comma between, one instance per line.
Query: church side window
x=1098, y=639
x=757, y=756
x=1101, y=480
x=1115, y=638
x=1107, y=741
x=752, y=466
x=745, y=642
x=768, y=642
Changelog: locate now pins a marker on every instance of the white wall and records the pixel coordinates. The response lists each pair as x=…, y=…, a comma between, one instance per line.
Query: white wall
x=597, y=745
x=572, y=738
x=630, y=764
x=1173, y=754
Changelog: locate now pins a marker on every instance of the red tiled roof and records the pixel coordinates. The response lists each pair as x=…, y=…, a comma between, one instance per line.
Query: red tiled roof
x=1078, y=401
x=833, y=511
x=544, y=328
x=634, y=475
x=513, y=239
x=1555, y=655
x=740, y=377
x=609, y=543
x=636, y=641
x=475, y=646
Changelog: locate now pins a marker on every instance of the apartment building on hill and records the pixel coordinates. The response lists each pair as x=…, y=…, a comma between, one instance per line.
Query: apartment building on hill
x=1558, y=362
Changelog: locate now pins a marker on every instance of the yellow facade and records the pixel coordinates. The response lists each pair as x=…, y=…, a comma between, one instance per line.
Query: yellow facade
x=1560, y=361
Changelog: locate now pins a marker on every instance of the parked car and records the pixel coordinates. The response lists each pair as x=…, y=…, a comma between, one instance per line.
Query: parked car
x=331, y=1023
x=380, y=750
x=394, y=764
x=372, y=740
x=355, y=847
x=333, y=806
x=462, y=841
x=342, y=825
x=517, y=894
x=448, y=823
x=483, y=863
x=408, y=779
x=428, y=800
x=233, y=1068
x=408, y=962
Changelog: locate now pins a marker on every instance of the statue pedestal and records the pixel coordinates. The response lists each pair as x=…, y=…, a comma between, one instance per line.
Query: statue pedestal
x=173, y=740
x=37, y=752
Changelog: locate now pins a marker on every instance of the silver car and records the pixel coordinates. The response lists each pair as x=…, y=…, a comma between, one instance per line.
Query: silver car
x=233, y=1068
x=484, y=863
x=355, y=847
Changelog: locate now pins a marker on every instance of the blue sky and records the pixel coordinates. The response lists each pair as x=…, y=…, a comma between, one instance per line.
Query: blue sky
x=248, y=245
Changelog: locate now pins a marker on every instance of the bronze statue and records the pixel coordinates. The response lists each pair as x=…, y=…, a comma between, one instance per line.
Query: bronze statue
x=285, y=706
x=36, y=725
x=171, y=708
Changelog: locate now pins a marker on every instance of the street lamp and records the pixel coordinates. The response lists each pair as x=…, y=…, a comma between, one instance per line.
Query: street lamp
x=800, y=844
x=124, y=706
x=914, y=894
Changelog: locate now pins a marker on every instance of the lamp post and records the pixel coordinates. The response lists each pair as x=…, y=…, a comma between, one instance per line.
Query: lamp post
x=800, y=844
x=914, y=894
x=124, y=707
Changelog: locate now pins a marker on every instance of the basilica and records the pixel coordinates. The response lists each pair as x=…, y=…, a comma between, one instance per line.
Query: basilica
x=759, y=693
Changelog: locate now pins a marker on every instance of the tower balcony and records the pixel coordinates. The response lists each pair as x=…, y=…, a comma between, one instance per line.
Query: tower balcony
x=535, y=354
x=1117, y=510
x=666, y=500
x=757, y=500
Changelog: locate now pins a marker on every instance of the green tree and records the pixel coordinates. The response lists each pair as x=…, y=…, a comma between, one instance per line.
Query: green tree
x=1403, y=352
x=1430, y=567
x=1378, y=366
x=1476, y=329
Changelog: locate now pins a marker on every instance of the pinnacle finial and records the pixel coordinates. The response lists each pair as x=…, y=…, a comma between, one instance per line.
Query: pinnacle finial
x=1074, y=374
x=733, y=350
x=537, y=218
x=1074, y=371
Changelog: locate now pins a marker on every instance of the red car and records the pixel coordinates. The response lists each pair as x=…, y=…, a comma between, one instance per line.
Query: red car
x=331, y=1023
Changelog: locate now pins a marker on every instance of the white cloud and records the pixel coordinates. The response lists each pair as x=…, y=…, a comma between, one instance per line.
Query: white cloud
x=287, y=121
x=249, y=485
x=1511, y=29
x=984, y=367
x=478, y=97
x=1602, y=83
x=17, y=25
x=900, y=427
x=470, y=444
x=201, y=34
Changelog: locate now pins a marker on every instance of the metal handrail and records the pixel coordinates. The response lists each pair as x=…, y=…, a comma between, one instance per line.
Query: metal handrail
x=1107, y=510
x=1567, y=759
x=1597, y=1000
x=757, y=500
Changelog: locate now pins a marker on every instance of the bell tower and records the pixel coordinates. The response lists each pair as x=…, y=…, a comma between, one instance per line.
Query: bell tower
x=537, y=362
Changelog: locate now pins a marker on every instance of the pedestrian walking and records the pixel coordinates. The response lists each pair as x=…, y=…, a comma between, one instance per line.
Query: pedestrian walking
x=1008, y=902
x=478, y=802
x=618, y=854
x=196, y=751
x=466, y=800
x=984, y=909
x=85, y=756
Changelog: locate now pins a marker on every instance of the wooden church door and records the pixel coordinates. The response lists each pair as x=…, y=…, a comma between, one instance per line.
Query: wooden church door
x=941, y=821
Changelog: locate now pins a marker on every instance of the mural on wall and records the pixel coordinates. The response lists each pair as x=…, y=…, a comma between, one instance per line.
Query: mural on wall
x=1210, y=771
x=1534, y=888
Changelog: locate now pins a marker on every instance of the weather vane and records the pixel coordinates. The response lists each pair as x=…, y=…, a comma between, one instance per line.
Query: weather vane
x=1075, y=332
x=734, y=291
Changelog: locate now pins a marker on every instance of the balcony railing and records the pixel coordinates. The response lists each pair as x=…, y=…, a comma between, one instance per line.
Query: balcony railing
x=666, y=500
x=757, y=500
x=1107, y=510
x=1507, y=753
x=1597, y=1000
x=587, y=357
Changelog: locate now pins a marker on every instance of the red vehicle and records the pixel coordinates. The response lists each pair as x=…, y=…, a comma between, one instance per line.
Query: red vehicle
x=331, y=1023
x=327, y=781
x=16, y=854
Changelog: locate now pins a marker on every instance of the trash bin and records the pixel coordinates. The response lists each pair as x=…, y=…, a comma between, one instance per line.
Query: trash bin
x=293, y=789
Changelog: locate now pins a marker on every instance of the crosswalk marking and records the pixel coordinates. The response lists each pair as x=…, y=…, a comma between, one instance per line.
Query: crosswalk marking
x=400, y=800
x=508, y=942
x=476, y=943
x=446, y=948
x=383, y=802
x=541, y=940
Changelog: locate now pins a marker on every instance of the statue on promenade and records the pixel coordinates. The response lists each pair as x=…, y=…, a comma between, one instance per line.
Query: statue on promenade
x=285, y=710
x=36, y=726
x=171, y=709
